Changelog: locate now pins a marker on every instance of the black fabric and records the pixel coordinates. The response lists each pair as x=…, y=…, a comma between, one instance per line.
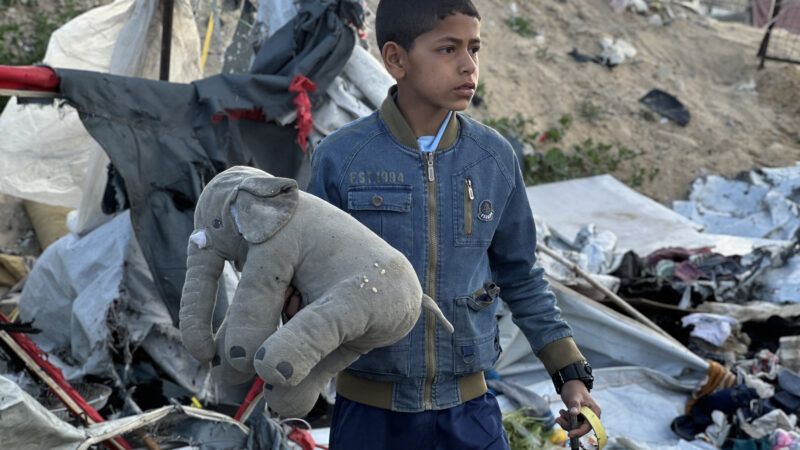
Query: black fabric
x=767, y=334
x=167, y=140
x=668, y=106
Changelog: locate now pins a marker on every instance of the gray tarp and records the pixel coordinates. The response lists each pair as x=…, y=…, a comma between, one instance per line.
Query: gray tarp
x=164, y=142
x=606, y=338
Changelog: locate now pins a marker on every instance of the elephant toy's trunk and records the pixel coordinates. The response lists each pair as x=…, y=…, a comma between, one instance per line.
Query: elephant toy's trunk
x=197, y=302
x=430, y=305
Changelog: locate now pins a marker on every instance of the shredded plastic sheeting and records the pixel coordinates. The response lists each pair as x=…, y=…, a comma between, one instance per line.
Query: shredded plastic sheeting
x=27, y=425
x=83, y=289
x=762, y=205
x=45, y=150
x=71, y=292
x=640, y=223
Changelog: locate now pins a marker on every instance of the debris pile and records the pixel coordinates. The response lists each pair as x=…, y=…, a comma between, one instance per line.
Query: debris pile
x=691, y=316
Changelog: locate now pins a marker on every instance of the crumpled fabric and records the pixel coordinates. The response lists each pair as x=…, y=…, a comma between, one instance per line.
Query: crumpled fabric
x=712, y=328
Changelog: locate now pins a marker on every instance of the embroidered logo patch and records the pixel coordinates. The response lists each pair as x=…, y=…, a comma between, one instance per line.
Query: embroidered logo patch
x=486, y=211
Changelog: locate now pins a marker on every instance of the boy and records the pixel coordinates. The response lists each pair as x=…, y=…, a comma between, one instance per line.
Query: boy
x=448, y=192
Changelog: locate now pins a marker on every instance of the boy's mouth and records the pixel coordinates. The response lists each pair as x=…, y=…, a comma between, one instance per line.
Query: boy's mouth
x=466, y=89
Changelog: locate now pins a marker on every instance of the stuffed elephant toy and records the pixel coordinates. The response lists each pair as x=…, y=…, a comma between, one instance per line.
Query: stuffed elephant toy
x=358, y=292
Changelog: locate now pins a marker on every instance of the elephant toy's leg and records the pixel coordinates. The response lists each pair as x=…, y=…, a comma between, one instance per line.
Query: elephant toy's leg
x=297, y=401
x=221, y=369
x=287, y=356
x=255, y=312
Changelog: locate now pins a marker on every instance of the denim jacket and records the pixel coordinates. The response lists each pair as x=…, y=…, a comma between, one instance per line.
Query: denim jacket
x=461, y=216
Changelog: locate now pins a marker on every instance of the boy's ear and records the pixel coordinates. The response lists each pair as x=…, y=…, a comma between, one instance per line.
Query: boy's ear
x=395, y=59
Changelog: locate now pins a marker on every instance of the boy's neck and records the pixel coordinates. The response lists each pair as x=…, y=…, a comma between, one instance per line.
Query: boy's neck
x=424, y=119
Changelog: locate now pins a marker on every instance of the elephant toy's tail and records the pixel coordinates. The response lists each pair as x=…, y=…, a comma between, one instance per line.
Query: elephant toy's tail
x=430, y=305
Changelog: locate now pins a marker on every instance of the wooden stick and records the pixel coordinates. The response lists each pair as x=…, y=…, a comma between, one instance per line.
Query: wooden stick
x=606, y=291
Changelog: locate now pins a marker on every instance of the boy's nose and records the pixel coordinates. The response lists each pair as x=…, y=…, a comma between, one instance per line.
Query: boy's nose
x=468, y=64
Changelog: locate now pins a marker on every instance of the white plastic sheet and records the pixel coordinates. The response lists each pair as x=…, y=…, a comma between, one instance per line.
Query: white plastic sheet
x=45, y=149
x=640, y=223
x=27, y=425
x=369, y=75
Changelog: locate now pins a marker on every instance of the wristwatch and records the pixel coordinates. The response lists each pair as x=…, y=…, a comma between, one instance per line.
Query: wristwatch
x=575, y=371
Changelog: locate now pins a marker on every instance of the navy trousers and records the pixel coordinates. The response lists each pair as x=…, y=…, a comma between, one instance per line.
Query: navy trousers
x=474, y=425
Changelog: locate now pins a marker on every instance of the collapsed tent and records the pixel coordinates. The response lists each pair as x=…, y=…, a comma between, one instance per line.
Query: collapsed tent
x=199, y=129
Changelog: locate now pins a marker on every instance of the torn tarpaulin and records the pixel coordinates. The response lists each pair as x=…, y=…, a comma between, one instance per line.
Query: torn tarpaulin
x=165, y=145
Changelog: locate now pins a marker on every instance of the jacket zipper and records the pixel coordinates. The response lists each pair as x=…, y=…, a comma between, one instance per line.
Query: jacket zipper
x=430, y=319
x=469, y=198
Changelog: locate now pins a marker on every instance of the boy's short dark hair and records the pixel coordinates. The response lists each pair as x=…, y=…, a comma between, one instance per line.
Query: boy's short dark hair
x=402, y=21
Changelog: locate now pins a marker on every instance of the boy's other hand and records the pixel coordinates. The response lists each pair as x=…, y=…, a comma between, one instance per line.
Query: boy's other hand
x=575, y=395
x=292, y=300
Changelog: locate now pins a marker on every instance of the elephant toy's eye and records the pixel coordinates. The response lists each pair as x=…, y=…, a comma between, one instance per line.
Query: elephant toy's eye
x=216, y=223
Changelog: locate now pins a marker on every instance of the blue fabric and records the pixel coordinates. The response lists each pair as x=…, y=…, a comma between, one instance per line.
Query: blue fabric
x=429, y=143
x=363, y=169
x=474, y=425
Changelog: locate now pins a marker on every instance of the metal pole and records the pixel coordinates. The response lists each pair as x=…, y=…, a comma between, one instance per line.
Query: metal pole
x=764, y=47
x=617, y=300
x=166, y=38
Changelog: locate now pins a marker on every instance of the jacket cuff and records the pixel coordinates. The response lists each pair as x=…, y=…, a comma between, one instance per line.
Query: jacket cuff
x=560, y=354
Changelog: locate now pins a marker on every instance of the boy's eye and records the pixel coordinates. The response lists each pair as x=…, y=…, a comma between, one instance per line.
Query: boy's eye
x=447, y=49
x=475, y=49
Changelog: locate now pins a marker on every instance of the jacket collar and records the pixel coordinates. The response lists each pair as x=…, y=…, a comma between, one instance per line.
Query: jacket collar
x=401, y=130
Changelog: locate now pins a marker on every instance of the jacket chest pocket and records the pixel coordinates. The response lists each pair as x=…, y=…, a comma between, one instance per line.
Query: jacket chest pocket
x=477, y=200
x=386, y=210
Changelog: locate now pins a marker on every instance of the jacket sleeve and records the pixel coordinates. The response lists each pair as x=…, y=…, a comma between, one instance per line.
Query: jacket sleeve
x=512, y=256
x=325, y=176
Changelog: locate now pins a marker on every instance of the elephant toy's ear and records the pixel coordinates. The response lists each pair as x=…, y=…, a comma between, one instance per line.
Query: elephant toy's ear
x=264, y=204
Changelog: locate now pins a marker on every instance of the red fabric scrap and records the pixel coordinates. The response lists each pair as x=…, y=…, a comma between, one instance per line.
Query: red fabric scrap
x=301, y=86
x=258, y=384
x=302, y=438
x=40, y=358
x=29, y=78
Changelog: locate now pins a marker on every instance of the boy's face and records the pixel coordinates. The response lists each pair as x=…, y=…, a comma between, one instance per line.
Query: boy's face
x=442, y=67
